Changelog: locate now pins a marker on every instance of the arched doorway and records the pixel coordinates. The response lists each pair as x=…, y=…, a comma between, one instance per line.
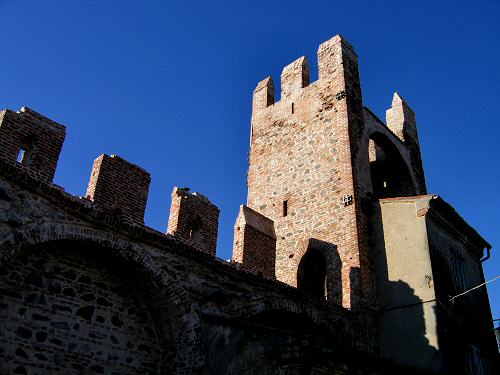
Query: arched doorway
x=311, y=273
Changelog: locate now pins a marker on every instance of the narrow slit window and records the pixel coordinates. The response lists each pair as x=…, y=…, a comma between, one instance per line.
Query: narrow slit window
x=293, y=108
x=21, y=156
x=285, y=208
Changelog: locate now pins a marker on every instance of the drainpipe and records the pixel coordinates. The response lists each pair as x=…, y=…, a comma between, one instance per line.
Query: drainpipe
x=487, y=255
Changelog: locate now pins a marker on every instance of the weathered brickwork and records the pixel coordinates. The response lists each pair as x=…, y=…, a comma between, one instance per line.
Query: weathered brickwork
x=254, y=242
x=119, y=187
x=194, y=219
x=400, y=119
x=300, y=156
x=31, y=139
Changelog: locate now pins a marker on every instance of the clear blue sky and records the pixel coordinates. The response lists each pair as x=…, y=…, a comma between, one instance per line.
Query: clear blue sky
x=168, y=85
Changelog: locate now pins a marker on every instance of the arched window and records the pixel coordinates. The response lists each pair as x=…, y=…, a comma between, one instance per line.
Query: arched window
x=311, y=274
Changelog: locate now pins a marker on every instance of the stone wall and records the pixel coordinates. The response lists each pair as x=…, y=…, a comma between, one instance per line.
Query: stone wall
x=69, y=311
x=190, y=304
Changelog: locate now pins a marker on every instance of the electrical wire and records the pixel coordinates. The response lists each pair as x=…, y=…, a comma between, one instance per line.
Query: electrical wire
x=471, y=289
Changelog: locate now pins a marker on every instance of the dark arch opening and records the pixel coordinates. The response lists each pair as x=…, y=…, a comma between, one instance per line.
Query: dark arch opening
x=311, y=274
x=389, y=173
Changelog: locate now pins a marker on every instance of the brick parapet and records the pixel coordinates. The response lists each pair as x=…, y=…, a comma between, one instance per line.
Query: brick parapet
x=119, y=187
x=194, y=219
x=401, y=120
x=34, y=139
x=254, y=243
x=294, y=77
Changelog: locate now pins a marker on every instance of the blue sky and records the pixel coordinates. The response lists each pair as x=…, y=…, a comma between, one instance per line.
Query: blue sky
x=168, y=85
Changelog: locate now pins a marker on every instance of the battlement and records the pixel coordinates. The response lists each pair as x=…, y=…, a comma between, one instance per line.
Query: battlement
x=295, y=77
x=400, y=118
x=194, y=219
x=254, y=242
x=32, y=140
x=119, y=187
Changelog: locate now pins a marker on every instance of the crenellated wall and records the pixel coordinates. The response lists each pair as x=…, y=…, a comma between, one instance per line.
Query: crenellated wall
x=85, y=291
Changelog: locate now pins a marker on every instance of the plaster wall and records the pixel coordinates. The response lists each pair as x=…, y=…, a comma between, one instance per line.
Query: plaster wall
x=405, y=283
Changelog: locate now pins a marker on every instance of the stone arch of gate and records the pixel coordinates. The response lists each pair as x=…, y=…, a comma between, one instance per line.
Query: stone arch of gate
x=189, y=353
x=333, y=267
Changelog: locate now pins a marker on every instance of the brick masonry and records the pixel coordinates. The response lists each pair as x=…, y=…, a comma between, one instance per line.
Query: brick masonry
x=301, y=155
x=254, y=243
x=194, y=220
x=119, y=187
x=40, y=138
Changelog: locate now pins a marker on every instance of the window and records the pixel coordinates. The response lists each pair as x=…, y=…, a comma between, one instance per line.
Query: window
x=21, y=156
x=459, y=270
x=285, y=208
x=25, y=152
x=293, y=108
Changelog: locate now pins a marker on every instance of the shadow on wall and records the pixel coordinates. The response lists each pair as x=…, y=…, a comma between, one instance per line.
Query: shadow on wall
x=401, y=313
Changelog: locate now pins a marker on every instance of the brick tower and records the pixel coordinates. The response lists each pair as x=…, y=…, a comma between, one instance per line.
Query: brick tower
x=301, y=174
